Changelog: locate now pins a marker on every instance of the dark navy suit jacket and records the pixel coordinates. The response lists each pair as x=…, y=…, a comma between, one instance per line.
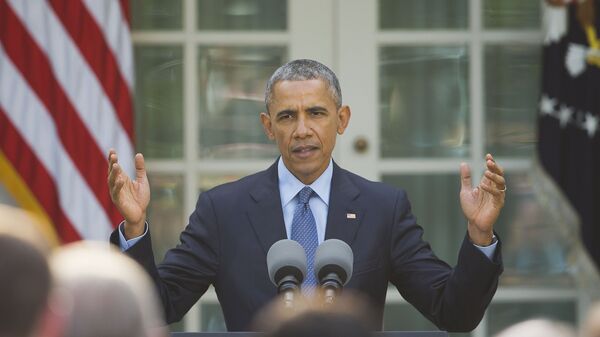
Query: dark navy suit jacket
x=234, y=225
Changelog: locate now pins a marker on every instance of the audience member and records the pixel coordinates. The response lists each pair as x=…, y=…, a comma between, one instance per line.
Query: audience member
x=591, y=324
x=538, y=328
x=104, y=293
x=23, y=225
x=350, y=316
x=24, y=287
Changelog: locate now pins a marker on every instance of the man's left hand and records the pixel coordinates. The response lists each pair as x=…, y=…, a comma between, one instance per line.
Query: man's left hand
x=481, y=205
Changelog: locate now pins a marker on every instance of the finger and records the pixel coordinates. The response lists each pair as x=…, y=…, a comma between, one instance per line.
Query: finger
x=112, y=158
x=113, y=175
x=110, y=152
x=140, y=167
x=119, y=183
x=492, y=190
x=496, y=178
x=494, y=167
x=465, y=177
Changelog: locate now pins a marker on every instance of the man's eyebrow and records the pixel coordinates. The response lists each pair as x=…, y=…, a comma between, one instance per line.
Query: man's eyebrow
x=316, y=108
x=285, y=112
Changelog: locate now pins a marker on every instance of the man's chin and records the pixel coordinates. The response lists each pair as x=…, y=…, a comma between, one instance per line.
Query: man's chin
x=306, y=172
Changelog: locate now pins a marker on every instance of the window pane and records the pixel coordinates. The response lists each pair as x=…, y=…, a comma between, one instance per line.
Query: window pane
x=446, y=227
x=424, y=101
x=212, y=317
x=242, y=15
x=511, y=14
x=158, y=101
x=512, y=88
x=232, y=82
x=502, y=315
x=156, y=14
x=535, y=253
x=208, y=181
x=423, y=14
x=165, y=213
x=404, y=317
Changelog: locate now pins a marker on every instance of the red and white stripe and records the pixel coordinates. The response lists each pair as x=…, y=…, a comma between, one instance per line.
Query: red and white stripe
x=66, y=79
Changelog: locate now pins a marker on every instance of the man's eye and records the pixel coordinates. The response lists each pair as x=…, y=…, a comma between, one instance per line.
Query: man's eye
x=285, y=116
x=316, y=113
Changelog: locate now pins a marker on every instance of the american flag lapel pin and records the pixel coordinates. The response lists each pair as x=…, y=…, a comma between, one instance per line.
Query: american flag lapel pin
x=350, y=215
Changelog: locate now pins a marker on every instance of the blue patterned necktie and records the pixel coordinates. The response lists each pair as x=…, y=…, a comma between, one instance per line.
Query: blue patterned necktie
x=304, y=230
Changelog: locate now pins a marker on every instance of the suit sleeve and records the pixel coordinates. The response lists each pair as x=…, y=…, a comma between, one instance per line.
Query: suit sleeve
x=188, y=269
x=454, y=299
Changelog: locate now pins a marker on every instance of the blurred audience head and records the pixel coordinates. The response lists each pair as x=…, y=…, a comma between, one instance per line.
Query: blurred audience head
x=104, y=293
x=538, y=328
x=321, y=324
x=24, y=286
x=591, y=324
x=23, y=225
x=348, y=316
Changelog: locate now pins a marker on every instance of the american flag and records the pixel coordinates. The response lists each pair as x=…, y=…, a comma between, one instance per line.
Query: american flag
x=66, y=81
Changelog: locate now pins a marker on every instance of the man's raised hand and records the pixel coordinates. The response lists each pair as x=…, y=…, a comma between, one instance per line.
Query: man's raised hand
x=130, y=196
x=481, y=205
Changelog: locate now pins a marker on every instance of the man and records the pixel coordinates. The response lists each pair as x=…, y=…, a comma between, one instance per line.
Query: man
x=24, y=276
x=24, y=287
x=539, y=327
x=100, y=292
x=305, y=196
x=591, y=323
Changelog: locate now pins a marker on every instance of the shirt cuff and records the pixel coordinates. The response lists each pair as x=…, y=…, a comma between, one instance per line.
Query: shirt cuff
x=488, y=250
x=126, y=244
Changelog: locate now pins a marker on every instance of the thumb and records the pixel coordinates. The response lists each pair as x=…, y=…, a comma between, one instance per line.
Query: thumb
x=140, y=167
x=465, y=177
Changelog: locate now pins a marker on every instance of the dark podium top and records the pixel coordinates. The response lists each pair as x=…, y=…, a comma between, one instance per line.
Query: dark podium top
x=256, y=334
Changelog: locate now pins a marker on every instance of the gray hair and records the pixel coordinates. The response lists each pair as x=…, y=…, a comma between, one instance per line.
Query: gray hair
x=102, y=292
x=302, y=70
x=539, y=327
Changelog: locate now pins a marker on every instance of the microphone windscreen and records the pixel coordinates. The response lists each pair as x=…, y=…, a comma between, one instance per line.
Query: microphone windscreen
x=286, y=257
x=335, y=256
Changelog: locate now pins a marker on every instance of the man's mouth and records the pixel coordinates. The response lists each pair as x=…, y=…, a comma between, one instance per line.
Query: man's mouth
x=304, y=151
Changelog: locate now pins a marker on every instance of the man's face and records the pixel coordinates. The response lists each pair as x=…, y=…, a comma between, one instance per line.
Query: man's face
x=304, y=121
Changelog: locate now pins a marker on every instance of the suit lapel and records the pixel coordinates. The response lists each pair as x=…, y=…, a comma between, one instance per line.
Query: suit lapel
x=345, y=214
x=266, y=216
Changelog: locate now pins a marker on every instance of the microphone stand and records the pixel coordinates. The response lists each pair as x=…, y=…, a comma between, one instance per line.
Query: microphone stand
x=332, y=286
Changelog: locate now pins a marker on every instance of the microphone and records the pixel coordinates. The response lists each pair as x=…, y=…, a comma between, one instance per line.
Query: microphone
x=333, y=267
x=286, y=263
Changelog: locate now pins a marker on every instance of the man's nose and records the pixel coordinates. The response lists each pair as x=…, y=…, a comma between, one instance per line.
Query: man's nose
x=302, y=127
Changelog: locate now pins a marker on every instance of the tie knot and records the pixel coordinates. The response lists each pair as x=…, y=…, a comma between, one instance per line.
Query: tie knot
x=304, y=195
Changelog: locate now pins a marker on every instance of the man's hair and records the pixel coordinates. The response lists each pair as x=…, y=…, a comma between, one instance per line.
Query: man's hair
x=24, y=286
x=322, y=324
x=539, y=327
x=105, y=293
x=303, y=70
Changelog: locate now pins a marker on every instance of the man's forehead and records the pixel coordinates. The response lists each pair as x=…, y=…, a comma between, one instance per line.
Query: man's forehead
x=310, y=90
x=284, y=86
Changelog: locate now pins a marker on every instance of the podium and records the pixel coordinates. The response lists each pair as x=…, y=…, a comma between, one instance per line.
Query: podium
x=256, y=334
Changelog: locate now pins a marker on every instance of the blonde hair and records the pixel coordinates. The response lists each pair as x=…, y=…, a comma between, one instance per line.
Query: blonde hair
x=104, y=293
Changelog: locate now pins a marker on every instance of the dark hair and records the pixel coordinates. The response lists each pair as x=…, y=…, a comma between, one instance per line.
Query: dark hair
x=302, y=70
x=24, y=286
x=322, y=324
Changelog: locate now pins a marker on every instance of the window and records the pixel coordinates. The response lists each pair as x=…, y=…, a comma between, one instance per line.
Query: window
x=431, y=83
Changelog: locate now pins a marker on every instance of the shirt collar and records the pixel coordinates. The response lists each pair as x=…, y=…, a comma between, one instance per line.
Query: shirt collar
x=289, y=185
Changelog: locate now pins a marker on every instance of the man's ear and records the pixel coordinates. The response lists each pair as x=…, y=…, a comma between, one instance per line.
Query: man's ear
x=53, y=320
x=343, y=116
x=265, y=119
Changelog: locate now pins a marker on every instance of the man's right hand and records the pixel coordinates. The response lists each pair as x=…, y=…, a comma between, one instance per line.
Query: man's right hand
x=130, y=196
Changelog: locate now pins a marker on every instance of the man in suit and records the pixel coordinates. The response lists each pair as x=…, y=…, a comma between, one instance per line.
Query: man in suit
x=307, y=197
